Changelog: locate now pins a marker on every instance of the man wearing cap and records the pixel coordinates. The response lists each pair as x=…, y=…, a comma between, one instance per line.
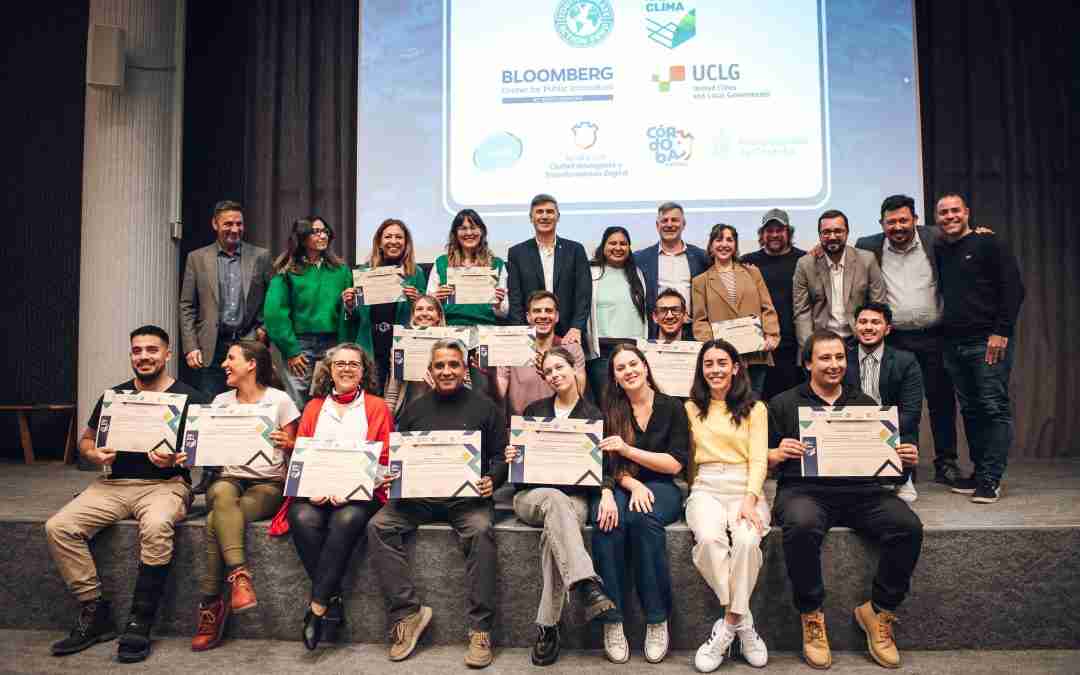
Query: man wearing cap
x=777, y=259
x=670, y=263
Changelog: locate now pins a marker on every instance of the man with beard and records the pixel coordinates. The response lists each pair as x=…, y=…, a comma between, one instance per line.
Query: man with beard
x=669, y=315
x=670, y=263
x=776, y=260
x=152, y=488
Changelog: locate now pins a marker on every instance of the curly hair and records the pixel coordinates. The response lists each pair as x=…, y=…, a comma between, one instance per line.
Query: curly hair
x=323, y=381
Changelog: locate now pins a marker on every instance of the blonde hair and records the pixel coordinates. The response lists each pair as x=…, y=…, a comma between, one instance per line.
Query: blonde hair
x=408, y=262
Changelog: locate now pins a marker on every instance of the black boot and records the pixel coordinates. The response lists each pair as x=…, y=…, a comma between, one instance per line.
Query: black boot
x=546, y=650
x=208, y=476
x=334, y=620
x=94, y=625
x=134, y=643
x=313, y=629
x=593, y=599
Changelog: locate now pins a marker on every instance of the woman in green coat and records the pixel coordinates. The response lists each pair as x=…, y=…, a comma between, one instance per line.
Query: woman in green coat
x=468, y=247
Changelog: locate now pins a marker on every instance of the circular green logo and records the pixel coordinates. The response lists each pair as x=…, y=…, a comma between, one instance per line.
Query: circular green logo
x=584, y=23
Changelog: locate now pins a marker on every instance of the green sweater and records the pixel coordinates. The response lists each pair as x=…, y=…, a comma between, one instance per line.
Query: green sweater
x=467, y=315
x=357, y=327
x=305, y=303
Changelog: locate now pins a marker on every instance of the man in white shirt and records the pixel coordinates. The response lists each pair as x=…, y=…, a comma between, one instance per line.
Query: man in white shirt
x=670, y=263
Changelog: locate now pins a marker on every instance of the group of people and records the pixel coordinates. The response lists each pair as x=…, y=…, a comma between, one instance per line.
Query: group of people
x=912, y=308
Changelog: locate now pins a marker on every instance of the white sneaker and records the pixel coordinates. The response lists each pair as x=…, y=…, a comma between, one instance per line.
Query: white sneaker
x=711, y=654
x=907, y=491
x=656, y=642
x=750, y=643
x=616, y=648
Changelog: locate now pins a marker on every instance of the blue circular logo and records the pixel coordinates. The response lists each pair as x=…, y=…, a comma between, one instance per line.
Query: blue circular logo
x=584, y=23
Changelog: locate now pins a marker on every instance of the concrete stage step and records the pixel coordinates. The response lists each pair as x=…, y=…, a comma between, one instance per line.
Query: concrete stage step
x=990, y=577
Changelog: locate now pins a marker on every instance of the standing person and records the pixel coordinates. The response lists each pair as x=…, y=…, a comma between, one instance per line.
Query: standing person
x=153, y=488
x=776, y=260
x=303, y=311
x=807, y=507
x=669, y=315
x=727, y=510
x=242, y=494
x=372, y=326
x=426, y=312
x=618, y=304
x=468, y=247
x=451, y=406
x=646, y=448
x=731, y=290
x=551, y=263
x=982, y=290
x=670, y=263
x=565, y=565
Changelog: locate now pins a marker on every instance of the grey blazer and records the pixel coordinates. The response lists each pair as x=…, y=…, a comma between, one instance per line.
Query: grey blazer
x=811, y=295
x=199, y=314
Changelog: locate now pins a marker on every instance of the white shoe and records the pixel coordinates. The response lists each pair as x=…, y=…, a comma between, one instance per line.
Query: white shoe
x=750, y=643
x=616, y=648
x=907, y=491
x=656, y=642
x=711, y=654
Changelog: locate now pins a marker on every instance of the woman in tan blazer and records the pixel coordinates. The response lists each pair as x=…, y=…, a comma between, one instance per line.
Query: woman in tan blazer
x=731, y=290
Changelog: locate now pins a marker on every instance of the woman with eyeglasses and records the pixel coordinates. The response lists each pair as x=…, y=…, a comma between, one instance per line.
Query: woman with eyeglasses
x=302, y=310
x=467, y=247
x=731, y=290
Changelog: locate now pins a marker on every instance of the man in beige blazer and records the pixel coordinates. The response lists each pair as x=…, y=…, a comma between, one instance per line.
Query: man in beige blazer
x=829, y=287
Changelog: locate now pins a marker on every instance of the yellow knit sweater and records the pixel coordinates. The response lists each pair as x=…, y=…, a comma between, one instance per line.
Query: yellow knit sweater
x=716, y=439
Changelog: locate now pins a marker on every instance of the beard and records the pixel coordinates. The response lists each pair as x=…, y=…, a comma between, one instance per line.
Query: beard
x=148, y=377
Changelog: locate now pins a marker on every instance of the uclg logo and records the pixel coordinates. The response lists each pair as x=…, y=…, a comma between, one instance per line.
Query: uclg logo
x=675, y=74
x=666, y=24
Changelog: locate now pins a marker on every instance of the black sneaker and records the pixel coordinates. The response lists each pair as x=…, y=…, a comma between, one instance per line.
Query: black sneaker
x=94, y=625
x=986, y=492
x=964, y=486
x=546, y=650
x=947, y=476
x=134, y=643
x=593, y=599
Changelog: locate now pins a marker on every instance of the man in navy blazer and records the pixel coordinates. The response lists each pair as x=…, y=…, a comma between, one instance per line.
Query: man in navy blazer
x=551, y=263
x=670, y=263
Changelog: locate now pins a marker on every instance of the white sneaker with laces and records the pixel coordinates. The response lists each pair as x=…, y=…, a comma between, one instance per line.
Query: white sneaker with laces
x=616, y=648
x=656, y=642
x=750, y=643
x=711, y=654
x=907, y=491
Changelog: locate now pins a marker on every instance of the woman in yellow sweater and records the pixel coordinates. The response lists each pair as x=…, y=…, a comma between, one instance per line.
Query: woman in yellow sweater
x=727, y=511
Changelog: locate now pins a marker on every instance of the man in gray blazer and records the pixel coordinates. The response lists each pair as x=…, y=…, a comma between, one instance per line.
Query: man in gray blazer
x=828, y=288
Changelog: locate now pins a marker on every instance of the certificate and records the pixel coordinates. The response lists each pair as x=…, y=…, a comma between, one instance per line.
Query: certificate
x=412, y=348
x=744, y=333
x=139, y=421
x=553, y=451
x=472, y=285
x=379, y=285
x=672, y=364
x=331, y=467
x=506, y=345
x=850, y=441
x=231, y=435
x=435, y=464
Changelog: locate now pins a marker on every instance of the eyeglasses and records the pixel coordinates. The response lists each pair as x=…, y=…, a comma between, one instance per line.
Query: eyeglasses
x=664, y=311
x=347, y=365
x=318, y=231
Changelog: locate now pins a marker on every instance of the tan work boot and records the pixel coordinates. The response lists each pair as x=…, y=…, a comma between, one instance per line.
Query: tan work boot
x=878, y=627
x=815, y=643
x=406, y=633
x=479, y=655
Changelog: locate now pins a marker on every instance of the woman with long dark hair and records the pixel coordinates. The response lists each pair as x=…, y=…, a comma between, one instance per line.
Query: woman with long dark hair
x=467, y=247
x=645, y=448
x=727, y=510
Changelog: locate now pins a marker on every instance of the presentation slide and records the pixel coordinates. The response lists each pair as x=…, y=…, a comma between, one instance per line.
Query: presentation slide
x=615, y=106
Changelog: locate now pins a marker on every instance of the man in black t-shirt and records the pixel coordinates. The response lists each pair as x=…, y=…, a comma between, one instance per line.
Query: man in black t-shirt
x=153, y=488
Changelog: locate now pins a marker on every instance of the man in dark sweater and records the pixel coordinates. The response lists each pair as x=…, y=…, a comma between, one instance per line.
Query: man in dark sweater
x=805, y=508
x=776, y=260
x=151, y=487
x=451, y=406
x=982, y=292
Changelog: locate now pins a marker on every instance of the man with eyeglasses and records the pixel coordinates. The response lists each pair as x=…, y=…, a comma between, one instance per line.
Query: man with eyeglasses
x=670, y=263
x=669, y=315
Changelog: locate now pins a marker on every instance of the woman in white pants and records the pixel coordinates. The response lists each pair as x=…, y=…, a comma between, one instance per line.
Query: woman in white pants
x=727, y=510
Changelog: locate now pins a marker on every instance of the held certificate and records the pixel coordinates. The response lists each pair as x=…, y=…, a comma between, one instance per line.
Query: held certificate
x=472, y=285
x=672, y=364
x=555, y=451
x=435, y=464
x=412, y=348
x=379, y=285
x=506, y=345
x=744, y=333
x=139, y=421
x=850, y=441
x=230, y=435
x=331, y=467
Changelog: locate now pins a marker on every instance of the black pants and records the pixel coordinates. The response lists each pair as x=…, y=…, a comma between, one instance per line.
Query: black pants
x=806, y=512
x=785, y=374
x=472, y=520
x=929, y=349
x=325, y=537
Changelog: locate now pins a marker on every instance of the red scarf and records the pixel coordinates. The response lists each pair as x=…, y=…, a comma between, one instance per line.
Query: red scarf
x=345, y=399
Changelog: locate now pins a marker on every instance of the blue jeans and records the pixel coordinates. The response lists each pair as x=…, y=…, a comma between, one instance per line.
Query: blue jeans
x=313, y=346
x=983, y=392
x=646, y=536
x=757, y=373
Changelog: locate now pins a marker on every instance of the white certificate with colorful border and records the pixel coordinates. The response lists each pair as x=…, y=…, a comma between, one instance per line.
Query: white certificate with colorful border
x=556, y=451
x=672, y=364
x=744, y=334
x=230, y=435
x=412, y=348
x=506, y=345
x=333, y=467
x=139, y=421
x=472, y=285
x=850, y=441
x=435, y=464
x=379, y=285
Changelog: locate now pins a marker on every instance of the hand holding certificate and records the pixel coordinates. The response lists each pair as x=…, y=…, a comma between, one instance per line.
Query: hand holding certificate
x=506, y=345
x=472, y=285
x=556, y=451
x=435, y=464
x=379, y=285
x=139, y=421
x=329, y=467
x=850, y=442
x=744, y=333
x=412, y=348
x=672, y=364
x=232, y=435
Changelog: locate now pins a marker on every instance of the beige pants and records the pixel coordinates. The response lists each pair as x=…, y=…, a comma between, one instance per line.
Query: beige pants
x=726, y=551
x=157, y=504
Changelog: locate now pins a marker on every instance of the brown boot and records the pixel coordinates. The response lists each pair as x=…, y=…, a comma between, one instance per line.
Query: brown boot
x=242, y=593
x=212, y=620
x=479, y=655
x=406, y=633
x=878, y=627
x=815, y=643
